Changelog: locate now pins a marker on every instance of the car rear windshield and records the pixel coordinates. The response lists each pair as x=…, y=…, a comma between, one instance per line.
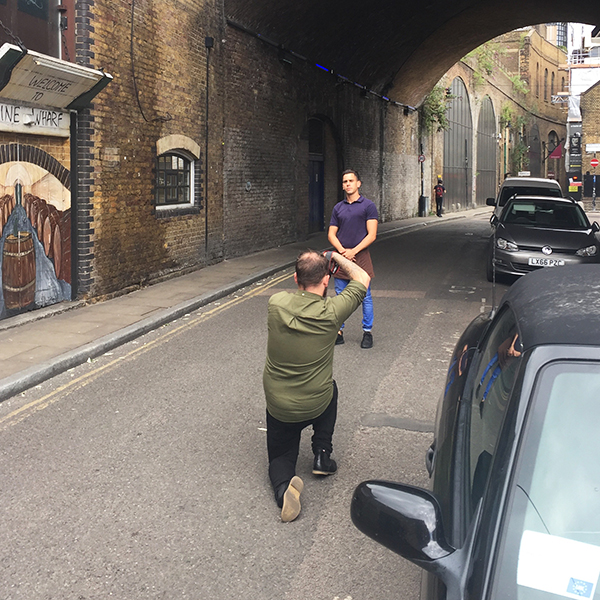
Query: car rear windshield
x=551, y=545
x=510, y=191
x=540, y=213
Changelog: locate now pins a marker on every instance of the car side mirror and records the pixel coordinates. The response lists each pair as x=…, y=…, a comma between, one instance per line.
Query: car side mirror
x=408, y=520
x=595, y=227
x=491, y=201
x=403, y=518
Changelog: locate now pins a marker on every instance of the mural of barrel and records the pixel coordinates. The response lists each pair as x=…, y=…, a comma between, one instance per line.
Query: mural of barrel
x=48, y=226
x=18, y=270
x=61, y=244
x=27, y=200
x=41, y=217
x=5, y=209
x=35, y=227
x=36, y=205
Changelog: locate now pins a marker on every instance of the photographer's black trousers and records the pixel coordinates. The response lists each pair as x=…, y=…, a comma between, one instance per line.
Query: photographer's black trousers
x=283, y=444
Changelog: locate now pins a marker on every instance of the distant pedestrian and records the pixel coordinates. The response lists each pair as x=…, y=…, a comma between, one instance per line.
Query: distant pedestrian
x=439, y=191
x=352, y=229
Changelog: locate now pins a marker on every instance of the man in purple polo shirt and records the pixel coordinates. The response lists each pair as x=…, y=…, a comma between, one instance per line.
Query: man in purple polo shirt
x=352, y=229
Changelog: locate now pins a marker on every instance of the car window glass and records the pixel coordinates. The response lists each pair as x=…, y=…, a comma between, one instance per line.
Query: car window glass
x=552, y=544
x=496, y=373
x=545, y=214
x=509, y=191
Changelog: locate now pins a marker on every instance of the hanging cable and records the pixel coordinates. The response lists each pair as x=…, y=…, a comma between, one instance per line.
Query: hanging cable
x=160, y=119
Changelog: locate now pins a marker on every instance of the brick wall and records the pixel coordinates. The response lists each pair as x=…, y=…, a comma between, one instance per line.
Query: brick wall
x=267, y=105
x=590, y=114
x=122, y=240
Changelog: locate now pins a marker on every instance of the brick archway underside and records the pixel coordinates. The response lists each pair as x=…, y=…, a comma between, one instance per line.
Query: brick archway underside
x=36, y=156
x=400, y=49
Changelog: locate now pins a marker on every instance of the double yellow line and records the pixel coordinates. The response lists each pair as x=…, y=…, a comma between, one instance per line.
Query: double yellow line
x=31, y=408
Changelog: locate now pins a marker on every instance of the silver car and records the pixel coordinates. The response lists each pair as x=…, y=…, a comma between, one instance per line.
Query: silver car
x=535, y=232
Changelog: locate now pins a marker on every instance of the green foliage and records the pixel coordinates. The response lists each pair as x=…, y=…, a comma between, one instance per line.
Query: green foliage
x=520, y=121
x=518, y=157
x=433, y=110
x=485, y=57
x=507, y=115
x=524, y=37
x=478, y=80
x=519, y=85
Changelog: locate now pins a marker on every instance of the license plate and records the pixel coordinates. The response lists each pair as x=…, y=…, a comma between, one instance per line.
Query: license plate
x=546, y=262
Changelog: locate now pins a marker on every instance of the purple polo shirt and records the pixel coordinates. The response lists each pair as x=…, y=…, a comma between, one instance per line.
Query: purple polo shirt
x=351, y=220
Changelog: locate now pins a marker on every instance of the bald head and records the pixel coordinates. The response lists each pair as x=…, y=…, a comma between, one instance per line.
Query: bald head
x=311, y=267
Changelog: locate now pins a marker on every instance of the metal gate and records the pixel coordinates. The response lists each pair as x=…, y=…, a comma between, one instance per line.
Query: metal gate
x=458, y=143
x=487, y=150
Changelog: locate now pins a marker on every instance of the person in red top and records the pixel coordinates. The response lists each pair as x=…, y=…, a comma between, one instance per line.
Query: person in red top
x=439, y=190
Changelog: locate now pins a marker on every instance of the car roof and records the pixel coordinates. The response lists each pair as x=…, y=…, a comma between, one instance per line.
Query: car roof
x=557, y=305
x=555, y=199
x=527, y=181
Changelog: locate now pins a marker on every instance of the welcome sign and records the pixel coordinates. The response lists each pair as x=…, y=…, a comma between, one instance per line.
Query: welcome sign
x=34, y=120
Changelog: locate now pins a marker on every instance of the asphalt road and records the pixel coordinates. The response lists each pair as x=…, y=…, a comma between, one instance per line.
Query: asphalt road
x=143, y=474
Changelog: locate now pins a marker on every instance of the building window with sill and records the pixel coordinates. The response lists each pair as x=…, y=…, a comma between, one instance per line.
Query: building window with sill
x=178, y=177
x=174, y=180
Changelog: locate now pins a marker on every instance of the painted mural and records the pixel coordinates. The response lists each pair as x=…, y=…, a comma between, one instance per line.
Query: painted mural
x=35, y=217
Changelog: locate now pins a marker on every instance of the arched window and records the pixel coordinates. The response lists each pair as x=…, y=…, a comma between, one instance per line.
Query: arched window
x=537, y=80
x=174, y=177
x=178, y=182
x=546, y=85
x=562, y=84
x=552, y=90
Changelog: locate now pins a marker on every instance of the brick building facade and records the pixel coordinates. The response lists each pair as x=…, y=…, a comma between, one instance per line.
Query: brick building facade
x=211, y=141
x=590, y=140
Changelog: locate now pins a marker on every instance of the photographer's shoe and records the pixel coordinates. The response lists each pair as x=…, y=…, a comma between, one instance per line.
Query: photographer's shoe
x=367, y=341
x=340, y=339
x=291, y=500
x=324, y=465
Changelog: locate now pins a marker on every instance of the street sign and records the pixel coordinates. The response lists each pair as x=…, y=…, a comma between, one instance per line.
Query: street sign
x=422, y=158
x=594, y=162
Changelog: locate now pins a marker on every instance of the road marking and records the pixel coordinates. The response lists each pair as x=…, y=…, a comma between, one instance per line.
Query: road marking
x=385, y=420
x=18, y=415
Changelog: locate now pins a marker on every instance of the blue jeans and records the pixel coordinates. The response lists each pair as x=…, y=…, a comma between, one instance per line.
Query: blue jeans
x=367, y=304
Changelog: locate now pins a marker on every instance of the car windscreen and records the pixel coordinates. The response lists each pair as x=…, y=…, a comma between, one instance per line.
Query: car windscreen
x=517, y=190
x=551, y=543
x=545, y=213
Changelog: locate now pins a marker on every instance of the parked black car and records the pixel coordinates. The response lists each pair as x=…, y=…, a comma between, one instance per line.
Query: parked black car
x=515, y=508
x=534, y=232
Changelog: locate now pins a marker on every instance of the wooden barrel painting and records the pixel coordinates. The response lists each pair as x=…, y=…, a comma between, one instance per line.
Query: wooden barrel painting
x=41, y=217
x=27, y=200
x=18, y=270
x=4, y=209
x=47, y=235
x=61, y=244
x=36, y=204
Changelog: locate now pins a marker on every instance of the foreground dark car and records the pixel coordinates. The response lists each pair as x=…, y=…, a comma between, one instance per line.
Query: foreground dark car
x=515, y=508
x=537, y=232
